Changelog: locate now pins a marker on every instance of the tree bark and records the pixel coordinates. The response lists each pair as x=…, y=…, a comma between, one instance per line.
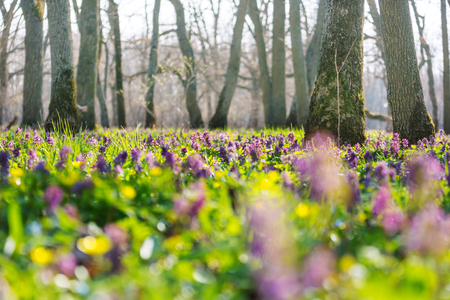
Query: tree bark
x=298, y=57
x=7, y=19
x=87, y=70
x=446, y=83
x=337, y=103
x=266, y=82
x=115, y=25
x=279, y=63
x=104, y=119
x=62, y=109
x=32, y=109
x=312, y=59
x=150, y=119
x=195, y=116
x=219, y=120
x=425, y=47
x=404, y=92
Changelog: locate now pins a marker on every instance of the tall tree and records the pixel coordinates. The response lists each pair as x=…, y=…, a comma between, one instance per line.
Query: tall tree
x=113, y=14
x=427, y=59
x=32, y=110
x=337, y=103
x=190, y=84
x=266, y=81
x=279, y=63
x=298, y=58
x=312, y=60
x=104, y=119
x=87, y=70
x=446, y=83
x=7, y=19
x=219, y=120
x=150, y=119
x=404, y=92
x=62, y=109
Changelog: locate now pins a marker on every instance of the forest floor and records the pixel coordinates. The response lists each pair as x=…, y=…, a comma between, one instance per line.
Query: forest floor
x=222, y=215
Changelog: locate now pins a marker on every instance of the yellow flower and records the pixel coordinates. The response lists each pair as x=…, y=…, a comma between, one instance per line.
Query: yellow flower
x=346, y=262
x=302, y=210
x=77, y=164
x=128, y=191
x=41, y=255
x=155, y=171
x=16, y=173
x=94, y=246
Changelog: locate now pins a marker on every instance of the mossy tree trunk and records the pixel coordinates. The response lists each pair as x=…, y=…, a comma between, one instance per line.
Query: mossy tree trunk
x=62, y=109
x=446, y=83
x=298, y=58
x=404, y=92
x=190, y=84
x=312, y=58
x=87, y=70
x=113, y=14
x=150, y=118
x=337, y=103
x=32, y=110
x=219, y=120
x=266, y=81
x=279, y=63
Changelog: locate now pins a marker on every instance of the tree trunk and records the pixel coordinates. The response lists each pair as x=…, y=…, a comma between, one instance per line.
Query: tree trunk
x=33, y=11
x=279, y=63
x=254, y=113
x=7, y=19
x=266, y=83
x=150, y=119
x=312, y=61
x=115, y=25
x=425, y=47
x=219, y=120
x=195, y=116
x=446, y=83
x=301, y=81
x=104, y=119
x=373, y=10
x=337, y=103
x=87, y=70
x=404, y=92
x=62, y=110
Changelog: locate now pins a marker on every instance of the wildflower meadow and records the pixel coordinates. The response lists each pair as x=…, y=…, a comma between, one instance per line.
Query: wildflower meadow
x=173, y=214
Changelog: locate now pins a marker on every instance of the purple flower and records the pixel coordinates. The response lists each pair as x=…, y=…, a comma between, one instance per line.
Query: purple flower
x=50, y=141
x=429, y=231
x=196, y=165
x=101, y=165
x=121, y=158
x=352, y=159
x=16, y=152
x=191, y=200
x=136, y=155
x=102, y=149
x=368, y=156
x=80, y=186
x=171, y=158
x=4, y=164
x=11, y=145
x=64, y=155
x=53, y=196
x=183, y=151
x=318, y=267
x=32, y=157
x=382, y=171
x=224, y=155
x=67, y=264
